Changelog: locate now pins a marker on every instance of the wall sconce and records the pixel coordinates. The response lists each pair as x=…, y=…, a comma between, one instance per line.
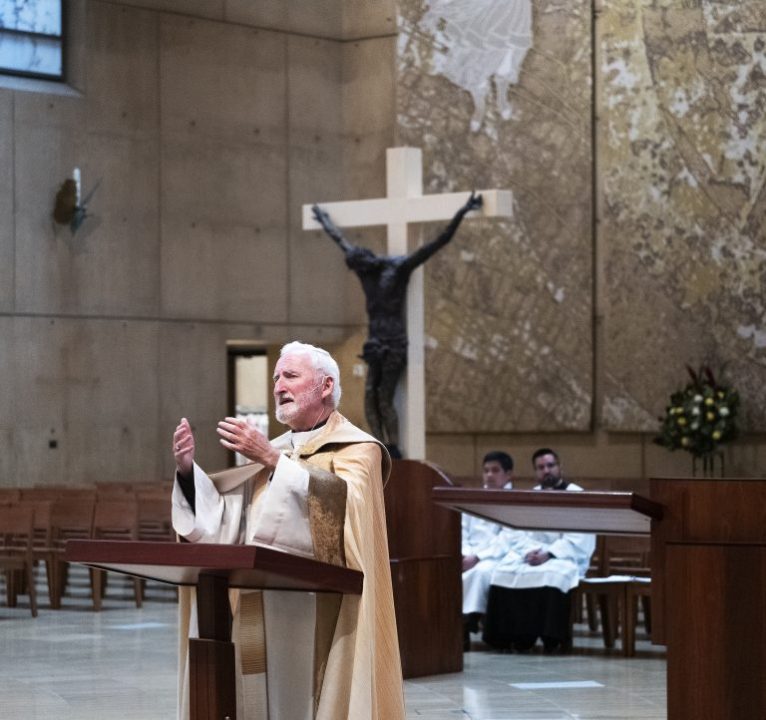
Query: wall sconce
x=70, y=209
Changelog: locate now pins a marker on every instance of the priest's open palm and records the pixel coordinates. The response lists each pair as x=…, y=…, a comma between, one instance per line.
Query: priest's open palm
x=240, y=437
x=183, y=447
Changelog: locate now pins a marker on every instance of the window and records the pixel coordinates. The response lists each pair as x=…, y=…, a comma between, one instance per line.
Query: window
x=31, y=40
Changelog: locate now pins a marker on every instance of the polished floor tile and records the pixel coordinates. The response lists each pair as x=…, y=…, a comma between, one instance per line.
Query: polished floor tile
x=74, y=664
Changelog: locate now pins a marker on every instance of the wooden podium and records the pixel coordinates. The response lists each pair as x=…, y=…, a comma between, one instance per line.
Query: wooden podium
x=424, y=549
x=213, y=569
x=709, y=586
x=708, y=576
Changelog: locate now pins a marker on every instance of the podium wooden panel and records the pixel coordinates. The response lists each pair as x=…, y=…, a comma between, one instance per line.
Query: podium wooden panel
x=708, y=576
x=424, y=548
x=213, y=569
x=709, y=552
x=611, y=513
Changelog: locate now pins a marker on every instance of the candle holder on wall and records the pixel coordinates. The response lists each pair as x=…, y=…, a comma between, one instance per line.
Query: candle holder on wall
x=70, y=209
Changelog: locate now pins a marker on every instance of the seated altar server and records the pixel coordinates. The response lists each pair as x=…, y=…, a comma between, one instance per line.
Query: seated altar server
x=529, y=595
x=315, y=491
x=484, y=543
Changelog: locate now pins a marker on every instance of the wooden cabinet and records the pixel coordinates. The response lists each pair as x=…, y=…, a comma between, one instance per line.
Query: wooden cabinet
x=426, y=570
x=709, y=588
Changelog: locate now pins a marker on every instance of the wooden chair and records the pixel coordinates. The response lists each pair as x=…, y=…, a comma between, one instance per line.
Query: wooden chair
x=114, y=520
x=70, y=519
x=41, y=540
x=40, y=493
x=16, y=558
x=118, y=492
x=588, y=600
x=9, y=495
x=155, y=516
x=624, y=576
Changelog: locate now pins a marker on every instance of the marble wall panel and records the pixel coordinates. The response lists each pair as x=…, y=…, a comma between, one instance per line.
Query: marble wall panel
x=212, y=9
x=315, y=19
x=7, y=222
x=315, y=175
x=222, y=81
x=319, y=277
x=270, y=14
x=508, y=304
x=45, y=252
x=112, y=400
x=8, y=347
x=369, y=128
x=224, y=183
x=64, y=112
x=50, y=139
x=315, y=92
x=111, y=264
x=76, y=29
x=683, y=177
x=318, y=18
x=117, y=252
x=366, y=20
x=323, y=18
x=33, y=366
x=122, y=82
x=600, y=456
x=223, y=231
x=369, y=85
x=454, y=454
x=84, y=400
x=192, y=375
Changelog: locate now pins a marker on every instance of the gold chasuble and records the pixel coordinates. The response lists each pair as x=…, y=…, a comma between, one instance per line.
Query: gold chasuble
x=304, y=656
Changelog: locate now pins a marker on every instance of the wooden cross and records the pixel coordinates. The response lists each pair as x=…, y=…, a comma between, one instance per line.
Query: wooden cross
x=405, y=204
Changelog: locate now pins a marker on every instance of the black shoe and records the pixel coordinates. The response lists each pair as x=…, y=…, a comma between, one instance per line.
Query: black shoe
x=551, y=645
x=471, y=621
x=524, y=644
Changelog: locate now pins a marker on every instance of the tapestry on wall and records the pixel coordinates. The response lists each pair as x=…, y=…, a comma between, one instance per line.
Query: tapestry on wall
x=683, y=170
x=497, y=93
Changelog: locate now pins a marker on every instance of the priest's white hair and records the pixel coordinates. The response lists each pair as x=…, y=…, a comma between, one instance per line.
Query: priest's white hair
x=322, y=362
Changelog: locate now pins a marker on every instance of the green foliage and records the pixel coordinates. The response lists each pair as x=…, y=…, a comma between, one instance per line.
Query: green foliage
x=701, y=416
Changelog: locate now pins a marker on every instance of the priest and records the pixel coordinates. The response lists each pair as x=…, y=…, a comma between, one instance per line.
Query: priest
x=315, y=491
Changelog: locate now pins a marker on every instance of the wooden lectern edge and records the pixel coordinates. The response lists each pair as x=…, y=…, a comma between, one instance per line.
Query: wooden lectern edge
x=482, y=502
x=590, y=499
x=216, y=560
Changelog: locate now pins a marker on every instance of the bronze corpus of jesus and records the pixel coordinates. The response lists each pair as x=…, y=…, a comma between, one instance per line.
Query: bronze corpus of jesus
x=384, y=281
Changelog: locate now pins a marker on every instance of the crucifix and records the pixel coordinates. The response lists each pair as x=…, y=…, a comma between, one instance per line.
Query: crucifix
x=404, y=204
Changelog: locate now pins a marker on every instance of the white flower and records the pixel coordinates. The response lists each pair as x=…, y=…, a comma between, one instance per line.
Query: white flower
x=698, y=398
x=695, y=411
x=723, y=411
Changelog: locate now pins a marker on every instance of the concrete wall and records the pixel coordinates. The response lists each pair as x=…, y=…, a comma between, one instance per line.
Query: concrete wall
x=208, y=124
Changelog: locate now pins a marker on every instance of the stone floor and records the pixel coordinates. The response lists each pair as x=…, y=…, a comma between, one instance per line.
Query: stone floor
x=74, y=664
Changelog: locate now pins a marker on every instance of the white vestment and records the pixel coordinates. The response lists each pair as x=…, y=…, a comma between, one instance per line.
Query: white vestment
x=490, y=542
x=571, y=553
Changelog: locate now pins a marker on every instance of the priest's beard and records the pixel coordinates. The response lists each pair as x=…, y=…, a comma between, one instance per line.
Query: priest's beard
x=286, y=413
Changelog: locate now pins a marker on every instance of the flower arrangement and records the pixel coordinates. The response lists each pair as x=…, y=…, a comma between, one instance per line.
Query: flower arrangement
x=701, y=416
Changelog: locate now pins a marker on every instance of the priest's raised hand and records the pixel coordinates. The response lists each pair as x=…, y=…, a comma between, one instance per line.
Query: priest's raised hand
x=238, y=436
x=183, y=448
